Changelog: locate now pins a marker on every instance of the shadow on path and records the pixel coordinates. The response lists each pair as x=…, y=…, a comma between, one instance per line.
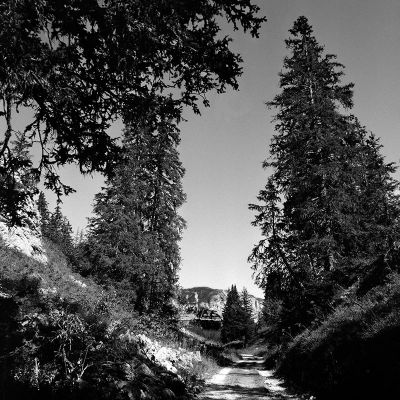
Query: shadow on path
x=236, y=392
x=246, y=365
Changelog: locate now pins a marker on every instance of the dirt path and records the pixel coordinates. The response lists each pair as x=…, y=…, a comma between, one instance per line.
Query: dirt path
x=245, y=380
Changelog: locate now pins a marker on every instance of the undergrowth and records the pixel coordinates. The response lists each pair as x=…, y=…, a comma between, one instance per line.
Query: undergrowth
x=61, y=338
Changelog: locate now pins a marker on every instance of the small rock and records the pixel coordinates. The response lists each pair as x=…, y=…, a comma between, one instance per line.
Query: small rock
x=143, y=369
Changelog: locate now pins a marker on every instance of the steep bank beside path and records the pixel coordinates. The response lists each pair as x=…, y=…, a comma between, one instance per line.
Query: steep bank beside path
x=245, y=380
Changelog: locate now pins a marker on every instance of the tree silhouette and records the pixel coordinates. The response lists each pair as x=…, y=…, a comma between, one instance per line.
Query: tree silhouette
x=328, y=208
x=80, y=65
x=233, y=318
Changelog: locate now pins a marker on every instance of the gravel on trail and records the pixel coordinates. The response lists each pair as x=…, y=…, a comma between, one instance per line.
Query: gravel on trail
x=245, y=380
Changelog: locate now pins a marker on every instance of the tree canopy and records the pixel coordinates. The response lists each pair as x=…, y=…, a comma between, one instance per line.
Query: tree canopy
x=78, y=65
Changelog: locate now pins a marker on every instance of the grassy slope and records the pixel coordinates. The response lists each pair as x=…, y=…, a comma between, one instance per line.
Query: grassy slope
x=355, y=352
x=61, y=337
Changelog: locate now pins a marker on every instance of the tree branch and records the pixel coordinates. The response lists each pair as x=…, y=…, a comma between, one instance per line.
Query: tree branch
x=7, y=112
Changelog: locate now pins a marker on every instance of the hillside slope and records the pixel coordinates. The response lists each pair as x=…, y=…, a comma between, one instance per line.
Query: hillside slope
x=65, y=337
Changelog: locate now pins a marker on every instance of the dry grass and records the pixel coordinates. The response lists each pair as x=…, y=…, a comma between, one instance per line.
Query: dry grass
x=205, y=368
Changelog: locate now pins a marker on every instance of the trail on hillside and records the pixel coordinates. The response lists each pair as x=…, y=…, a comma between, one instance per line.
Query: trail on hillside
x=245, y=380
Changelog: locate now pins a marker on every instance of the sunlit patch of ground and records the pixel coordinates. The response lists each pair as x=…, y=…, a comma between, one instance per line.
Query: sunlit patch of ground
x=245, y=381
x=229, y=392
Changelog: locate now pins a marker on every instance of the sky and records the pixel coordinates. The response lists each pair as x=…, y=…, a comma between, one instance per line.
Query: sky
x=222, y=150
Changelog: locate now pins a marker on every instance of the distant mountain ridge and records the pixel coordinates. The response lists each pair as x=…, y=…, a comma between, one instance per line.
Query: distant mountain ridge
x=213, y=299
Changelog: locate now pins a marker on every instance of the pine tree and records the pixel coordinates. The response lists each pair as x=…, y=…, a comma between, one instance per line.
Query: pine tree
x=136, y=229
x=155, y=157
x=233, y=318
x=18, y=189
x=248, y=314
x=329, y=191
x=43, y=208
x=58, y=229
x=55, y=225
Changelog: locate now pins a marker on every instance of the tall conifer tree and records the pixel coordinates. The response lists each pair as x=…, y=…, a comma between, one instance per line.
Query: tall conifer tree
x=328, y=206
x=136, y=229
x=59, y=230
x=43, y=208
x=233, y=317
x=17, y=189
x=248, y=315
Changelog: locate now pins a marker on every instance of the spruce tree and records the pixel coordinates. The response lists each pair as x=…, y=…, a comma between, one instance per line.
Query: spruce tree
x=43, y=208
x=18, y=189
x=59, y=230
x=248, y=315
x=54, y=228
x=233, y=318
x=329, y=190
x=135, y=233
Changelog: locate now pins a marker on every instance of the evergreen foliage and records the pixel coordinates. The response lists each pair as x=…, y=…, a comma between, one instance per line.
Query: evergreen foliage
x=328, y=209
x=248, y=314
x=80, y=65
x=234, y=318
x=59, y=230
x=43, y=208
x=18, y=189
x=133, y=238
x=56, y=227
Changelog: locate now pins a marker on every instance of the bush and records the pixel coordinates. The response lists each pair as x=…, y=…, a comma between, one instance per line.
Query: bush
x=354, y=353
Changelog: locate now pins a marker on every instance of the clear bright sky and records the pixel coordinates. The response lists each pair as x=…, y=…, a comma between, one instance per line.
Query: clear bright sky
x=223, y=149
